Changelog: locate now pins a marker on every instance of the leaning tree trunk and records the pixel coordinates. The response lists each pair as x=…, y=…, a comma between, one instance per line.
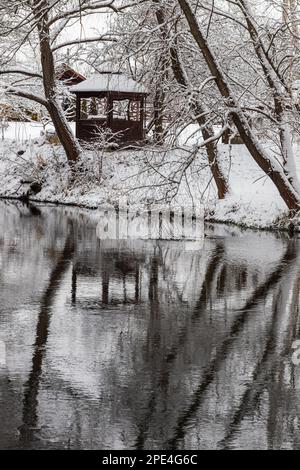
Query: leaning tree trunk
x=269, y=166
x=158, y=107
x=160, y=95
x=275, y=83
x=60, y=123
x=207, y=131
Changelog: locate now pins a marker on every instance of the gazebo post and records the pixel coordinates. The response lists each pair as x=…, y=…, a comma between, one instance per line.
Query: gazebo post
x=109, y=111
x=142, y=116
x=78, y=111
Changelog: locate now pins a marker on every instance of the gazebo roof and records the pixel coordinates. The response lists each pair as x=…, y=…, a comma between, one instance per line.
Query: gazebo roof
x=66, y=74
x=109, y=82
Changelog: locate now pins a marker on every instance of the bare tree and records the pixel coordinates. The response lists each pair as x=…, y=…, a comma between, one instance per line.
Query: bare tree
x=37, y=25
x=197, y=108
x=283, y=178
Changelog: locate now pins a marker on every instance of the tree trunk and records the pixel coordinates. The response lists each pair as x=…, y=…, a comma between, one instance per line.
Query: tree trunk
x=158, y=106
x=160, y=96
x=206, y=130
x=276, y=88
x=60, y=123
x=270, y=167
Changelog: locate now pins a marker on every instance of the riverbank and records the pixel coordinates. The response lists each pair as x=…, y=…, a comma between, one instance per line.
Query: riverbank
x=142, y=177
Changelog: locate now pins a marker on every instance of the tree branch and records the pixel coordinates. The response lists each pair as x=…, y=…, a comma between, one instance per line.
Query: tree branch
x=21, y=72
x=84, y=41
x=83, y=8
x=23, y=94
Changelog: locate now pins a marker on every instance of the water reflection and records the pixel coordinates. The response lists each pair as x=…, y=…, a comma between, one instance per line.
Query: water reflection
x=146, y=345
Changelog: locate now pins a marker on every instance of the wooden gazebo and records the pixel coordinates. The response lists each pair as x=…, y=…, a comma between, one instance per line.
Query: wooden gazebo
x=110, y=100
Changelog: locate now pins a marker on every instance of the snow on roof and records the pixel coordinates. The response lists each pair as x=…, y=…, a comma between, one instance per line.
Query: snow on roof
x=117, y=82
x=65, y=72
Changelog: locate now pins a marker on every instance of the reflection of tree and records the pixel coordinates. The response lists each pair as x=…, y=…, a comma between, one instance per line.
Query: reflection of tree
x=152, y=345
x=31, y=388
x=272, y=361
x=204, y=297
x=209, y=375
x=187, y=345
x=182, y=336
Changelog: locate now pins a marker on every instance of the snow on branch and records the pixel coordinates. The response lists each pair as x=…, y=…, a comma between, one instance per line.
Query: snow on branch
x=103, y=38
x=24, y=94
x=104, y=4
x=21, y=72
x=97, y=6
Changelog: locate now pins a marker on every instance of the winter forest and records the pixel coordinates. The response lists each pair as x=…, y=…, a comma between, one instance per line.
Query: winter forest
x=149, y=224
x=221, y=118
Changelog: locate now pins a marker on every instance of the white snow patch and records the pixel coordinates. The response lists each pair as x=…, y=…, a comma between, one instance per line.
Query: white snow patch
x=108, y=176
x=109, y=82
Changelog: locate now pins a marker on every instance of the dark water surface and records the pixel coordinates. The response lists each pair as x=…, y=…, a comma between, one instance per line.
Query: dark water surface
x=150, y=346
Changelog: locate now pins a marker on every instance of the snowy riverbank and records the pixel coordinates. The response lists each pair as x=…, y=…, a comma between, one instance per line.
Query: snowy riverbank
x=105, y=177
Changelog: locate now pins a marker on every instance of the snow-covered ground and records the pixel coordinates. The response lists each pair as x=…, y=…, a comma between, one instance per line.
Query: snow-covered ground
x=21, y=132
x=108, y=176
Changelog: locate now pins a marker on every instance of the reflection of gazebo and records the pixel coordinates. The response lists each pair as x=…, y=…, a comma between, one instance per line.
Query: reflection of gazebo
x=110, y=100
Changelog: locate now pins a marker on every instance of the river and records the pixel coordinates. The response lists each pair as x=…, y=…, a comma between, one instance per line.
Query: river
x=145, y=345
